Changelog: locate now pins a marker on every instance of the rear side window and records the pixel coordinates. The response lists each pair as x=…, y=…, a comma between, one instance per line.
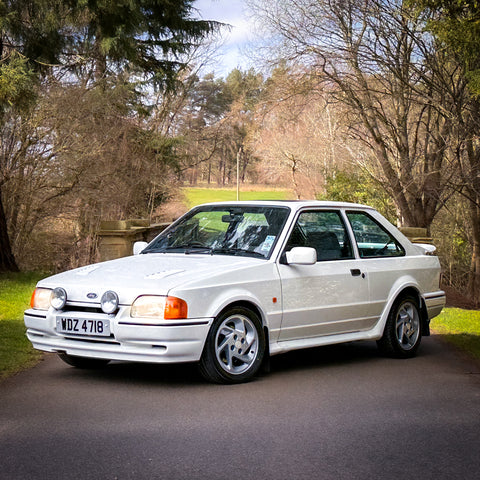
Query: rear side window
x=372, y=239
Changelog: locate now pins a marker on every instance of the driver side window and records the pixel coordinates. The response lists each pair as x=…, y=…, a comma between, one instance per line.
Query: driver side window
x=325, y=232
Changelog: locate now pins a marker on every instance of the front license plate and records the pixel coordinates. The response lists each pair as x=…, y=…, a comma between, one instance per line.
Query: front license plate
x=83, y=326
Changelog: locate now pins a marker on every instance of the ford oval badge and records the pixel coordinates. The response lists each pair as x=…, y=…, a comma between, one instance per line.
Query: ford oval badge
x=91, y=296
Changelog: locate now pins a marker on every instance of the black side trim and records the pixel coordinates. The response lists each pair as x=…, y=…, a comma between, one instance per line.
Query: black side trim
x=193, y=324
x=433, y=297
x=36, y=316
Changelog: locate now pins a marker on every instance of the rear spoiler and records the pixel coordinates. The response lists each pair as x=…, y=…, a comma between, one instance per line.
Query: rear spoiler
x=426, y=248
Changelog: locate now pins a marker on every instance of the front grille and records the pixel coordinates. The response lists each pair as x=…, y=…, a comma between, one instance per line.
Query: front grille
x=82, y=308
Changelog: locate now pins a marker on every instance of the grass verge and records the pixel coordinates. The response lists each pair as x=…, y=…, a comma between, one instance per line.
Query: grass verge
x=16, y=352
x=457, y=326
x=460, y=328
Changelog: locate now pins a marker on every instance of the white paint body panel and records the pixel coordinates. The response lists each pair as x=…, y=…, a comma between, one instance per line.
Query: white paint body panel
x=300, y=305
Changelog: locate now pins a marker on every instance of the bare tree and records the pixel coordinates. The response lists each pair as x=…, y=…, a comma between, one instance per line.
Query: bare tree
x=214, y=120
x=302, y=135
x=82, y=155
x=375, y=57
x=467, y=154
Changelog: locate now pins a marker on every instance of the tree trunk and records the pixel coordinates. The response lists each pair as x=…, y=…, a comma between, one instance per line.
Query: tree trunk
x=472, y=177
x=474, y=280
x=7, y=260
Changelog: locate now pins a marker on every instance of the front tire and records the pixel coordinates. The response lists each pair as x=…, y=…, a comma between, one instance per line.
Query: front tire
x=234, y=348
x=403, y=330
x=83, y=362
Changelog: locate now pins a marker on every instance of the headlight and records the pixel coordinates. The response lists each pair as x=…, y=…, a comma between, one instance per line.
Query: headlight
x=58, y=298
x=109, y=302
x=153, y=306
x=41, y=299
x=148, y=306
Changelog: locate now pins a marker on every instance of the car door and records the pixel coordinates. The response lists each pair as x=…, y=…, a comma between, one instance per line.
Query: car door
x=331, y=296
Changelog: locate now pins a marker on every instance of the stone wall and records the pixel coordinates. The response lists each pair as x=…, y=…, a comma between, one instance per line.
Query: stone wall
x=116, y=238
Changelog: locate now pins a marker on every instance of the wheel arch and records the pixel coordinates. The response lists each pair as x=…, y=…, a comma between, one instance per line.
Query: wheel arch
x=245, y=298
x=412, y=291
x=210, y=364
x=258, y=311
x=245, y=304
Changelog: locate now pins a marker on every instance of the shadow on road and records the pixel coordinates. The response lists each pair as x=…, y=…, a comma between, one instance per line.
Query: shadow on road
x=326, y=357
x=321, y=358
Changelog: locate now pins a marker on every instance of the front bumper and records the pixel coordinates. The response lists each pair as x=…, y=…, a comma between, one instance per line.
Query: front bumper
x=169, y=342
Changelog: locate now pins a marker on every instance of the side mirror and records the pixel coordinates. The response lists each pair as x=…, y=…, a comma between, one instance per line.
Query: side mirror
x=138, y=247
x=302, y=256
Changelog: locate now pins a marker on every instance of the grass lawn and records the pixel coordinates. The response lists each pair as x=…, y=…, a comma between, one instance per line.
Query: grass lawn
x=461, y=328
x=457, y=326
x=196, y=196
x=16, y=352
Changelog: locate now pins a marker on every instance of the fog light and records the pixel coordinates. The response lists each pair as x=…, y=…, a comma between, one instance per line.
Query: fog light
x=109, y=302
x=59, y=298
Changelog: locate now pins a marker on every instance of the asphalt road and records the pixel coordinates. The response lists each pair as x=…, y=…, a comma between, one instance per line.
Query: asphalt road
x=339, y=412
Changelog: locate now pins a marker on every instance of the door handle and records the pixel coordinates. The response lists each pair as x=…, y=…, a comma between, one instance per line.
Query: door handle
x=356, y=272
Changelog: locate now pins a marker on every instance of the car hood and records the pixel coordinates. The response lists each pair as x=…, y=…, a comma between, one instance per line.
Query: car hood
x=154, y=274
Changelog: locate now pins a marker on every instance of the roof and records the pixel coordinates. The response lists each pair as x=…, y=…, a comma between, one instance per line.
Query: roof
x=293, y=204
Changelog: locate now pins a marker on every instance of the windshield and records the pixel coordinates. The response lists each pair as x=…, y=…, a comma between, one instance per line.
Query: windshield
x=224, y=230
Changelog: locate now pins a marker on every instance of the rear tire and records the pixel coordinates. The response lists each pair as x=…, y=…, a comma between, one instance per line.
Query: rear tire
x=234, y=348
x=403, y=331
x=83, y=362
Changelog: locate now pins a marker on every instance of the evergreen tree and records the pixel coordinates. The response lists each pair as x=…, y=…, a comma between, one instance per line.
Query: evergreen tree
x=146, y=38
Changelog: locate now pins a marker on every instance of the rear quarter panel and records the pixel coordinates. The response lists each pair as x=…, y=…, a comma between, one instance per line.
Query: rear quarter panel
x=389, y=277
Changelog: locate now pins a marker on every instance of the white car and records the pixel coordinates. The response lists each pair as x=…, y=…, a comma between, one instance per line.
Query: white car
x=229, y=284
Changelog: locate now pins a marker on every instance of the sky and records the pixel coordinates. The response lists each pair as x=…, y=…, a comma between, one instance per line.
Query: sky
x=232, y=53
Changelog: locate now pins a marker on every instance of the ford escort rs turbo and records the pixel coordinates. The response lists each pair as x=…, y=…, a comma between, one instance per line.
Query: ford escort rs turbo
x=229, y=284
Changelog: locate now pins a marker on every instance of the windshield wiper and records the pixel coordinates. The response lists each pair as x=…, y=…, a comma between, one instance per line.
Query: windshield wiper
x=237, y=251
x=160, y=249
x=197, y=249
x=187, y=249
